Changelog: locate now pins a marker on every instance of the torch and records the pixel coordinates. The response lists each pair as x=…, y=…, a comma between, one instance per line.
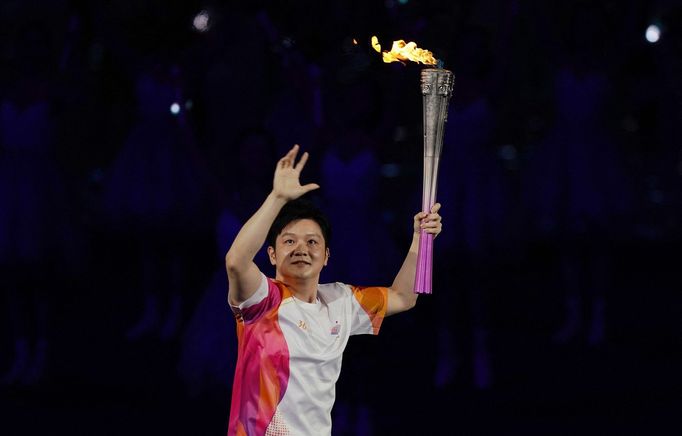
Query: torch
x=436, y=86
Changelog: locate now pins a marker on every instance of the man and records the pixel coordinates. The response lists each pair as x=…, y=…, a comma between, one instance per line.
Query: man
x=292, y=331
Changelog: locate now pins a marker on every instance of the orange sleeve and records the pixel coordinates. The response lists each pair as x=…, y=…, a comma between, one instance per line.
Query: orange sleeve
x=374, y=301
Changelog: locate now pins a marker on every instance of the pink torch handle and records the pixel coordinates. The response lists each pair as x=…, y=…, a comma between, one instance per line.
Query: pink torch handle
x=422, y=280
x=424, y=273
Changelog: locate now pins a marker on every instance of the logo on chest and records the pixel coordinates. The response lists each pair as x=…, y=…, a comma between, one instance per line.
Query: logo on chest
x=302, y=325
x=335, y=330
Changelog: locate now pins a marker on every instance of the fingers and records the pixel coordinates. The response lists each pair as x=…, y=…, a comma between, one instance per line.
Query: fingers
x=291, y=155
x=434, y=216
x=301, y=163
x=429, y=222
x=433, y=227
x=289, y=158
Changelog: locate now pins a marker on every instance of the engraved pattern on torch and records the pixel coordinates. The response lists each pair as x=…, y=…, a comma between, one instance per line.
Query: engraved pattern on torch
x=436, y=85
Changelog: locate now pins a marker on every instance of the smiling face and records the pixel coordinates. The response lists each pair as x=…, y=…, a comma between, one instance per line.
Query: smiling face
x=300, y=252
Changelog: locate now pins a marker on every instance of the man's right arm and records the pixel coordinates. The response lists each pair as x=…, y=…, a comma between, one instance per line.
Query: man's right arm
x=242, y=273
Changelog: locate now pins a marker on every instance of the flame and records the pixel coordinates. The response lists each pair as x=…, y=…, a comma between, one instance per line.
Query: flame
x=401, y=51
x=375, y=44
x=355, y=41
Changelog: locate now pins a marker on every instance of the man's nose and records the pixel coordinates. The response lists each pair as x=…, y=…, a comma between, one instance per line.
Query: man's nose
x=300, y=250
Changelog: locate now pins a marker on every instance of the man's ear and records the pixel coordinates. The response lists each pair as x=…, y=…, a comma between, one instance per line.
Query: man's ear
x=271, y=255
x=326, y=256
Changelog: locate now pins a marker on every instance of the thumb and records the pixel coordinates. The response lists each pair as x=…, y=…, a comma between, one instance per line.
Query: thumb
x=310, y=187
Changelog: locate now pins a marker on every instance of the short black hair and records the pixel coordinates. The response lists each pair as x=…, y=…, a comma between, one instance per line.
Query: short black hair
x=297, y=210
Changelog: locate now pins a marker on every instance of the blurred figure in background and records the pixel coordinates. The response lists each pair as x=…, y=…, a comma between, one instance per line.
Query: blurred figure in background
x=576, y=187
x=156, y=195
x=295, y=113
x=34, y=233
x=236, y=85
x=254, y=149
x=209, y=341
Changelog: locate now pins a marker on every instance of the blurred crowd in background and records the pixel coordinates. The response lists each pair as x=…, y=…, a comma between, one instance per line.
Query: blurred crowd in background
x=137, y=136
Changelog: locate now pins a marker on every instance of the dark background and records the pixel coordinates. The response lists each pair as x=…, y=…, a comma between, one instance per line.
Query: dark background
x=556, y=300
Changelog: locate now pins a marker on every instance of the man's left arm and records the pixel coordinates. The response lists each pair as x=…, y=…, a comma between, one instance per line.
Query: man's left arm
x=401, y=296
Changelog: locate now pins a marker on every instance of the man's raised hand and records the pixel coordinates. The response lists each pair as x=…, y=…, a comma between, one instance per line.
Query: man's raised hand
x=429, y=222
x=286, y=184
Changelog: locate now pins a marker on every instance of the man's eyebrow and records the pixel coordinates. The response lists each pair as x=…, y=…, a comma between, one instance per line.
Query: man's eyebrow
x=307, y=234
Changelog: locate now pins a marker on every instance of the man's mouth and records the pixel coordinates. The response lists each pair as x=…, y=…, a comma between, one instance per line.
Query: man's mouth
x=300, y=262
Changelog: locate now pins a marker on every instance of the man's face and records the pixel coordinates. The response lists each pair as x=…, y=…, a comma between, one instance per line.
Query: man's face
x=300, y=251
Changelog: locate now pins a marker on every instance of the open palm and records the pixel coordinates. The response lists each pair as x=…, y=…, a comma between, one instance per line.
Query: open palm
x=287, y=183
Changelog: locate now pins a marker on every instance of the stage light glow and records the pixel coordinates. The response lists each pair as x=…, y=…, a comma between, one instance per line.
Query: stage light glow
x=175, y=108
x=201, y=21
x=656, y=196
x=653, y=33
x=390, y=170
x=507, y=152
x=287, y=42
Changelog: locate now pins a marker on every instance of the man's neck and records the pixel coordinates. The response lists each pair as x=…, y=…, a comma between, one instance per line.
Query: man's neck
x=303, y=289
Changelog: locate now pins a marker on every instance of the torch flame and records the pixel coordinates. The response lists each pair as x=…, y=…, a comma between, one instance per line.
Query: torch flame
x=375, y=44
x=401, y=51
